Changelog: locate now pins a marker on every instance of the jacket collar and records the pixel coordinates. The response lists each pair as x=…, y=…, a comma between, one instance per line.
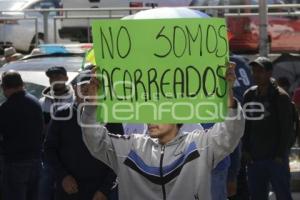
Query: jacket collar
x=48, y=93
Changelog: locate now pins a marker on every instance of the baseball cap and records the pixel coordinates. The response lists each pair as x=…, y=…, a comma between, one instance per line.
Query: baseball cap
x=84, y=77
x=263, y=62
x=56, y=70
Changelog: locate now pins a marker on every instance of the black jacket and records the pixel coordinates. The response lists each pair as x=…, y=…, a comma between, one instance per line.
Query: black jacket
x=68, y=155
x=270, y=136
x=21, y=125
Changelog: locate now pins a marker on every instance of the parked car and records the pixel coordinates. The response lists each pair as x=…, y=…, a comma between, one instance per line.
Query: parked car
x=21, y=33
x=283, y=31
x=32, y=68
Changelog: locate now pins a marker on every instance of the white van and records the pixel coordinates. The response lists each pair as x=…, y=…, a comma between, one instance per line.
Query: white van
x=22, y=33
x=78, y=29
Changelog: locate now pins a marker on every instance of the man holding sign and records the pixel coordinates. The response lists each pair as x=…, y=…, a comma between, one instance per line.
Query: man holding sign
x=169, y=164
x=170, y=62
x=162, y=70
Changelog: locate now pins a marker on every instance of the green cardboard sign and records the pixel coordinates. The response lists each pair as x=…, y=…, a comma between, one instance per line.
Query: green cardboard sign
x=161, y=70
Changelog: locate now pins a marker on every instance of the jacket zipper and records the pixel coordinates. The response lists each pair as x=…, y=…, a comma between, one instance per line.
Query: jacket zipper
x=161, y=172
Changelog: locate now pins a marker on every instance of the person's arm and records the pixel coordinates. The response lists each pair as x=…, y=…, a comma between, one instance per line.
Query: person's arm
x=246, y=137
x=108, y=182
x=46, y=110
x=51, y=148
x=286, y=125
x=103, y=145
x=2, y=131
x=2, y=120
x=224, y=137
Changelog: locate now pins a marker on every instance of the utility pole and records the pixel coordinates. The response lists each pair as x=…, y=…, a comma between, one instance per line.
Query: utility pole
x=45, y=24
x=263, y=32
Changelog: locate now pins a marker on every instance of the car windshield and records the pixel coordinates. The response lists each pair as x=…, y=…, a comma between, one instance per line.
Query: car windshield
x=12, y=5
x=71, y=63
x=32, y=88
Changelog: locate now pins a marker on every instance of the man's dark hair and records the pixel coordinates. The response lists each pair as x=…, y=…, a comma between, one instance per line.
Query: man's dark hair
x=11, y=79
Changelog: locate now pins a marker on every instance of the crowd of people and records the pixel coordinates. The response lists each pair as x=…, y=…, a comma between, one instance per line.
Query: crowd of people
x=48, y=153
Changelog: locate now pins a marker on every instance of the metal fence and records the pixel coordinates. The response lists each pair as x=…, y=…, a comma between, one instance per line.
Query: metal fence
x=109, y=13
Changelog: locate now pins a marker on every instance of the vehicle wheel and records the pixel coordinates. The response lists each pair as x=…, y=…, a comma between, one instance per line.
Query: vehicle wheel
x=39, y=41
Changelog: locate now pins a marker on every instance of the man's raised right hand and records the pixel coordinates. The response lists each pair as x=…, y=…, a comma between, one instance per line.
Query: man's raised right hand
x=93, y=87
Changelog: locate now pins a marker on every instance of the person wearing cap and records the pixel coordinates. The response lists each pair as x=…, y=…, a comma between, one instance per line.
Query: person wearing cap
x=21, y=126
x=58, y=93
x=268, y=129
x=54, y=96
x=10, y=54
x=78, y=175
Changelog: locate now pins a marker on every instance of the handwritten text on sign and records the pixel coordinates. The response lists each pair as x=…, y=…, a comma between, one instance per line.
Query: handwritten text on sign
x=161, y=71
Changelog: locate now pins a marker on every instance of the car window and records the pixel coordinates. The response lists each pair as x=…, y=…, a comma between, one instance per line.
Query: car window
x=12, y=5
x=44, y=5
x=34, y=89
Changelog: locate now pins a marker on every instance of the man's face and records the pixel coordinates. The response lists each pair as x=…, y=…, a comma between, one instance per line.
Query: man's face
x=260, y=75
x=58, y=82
x=160, y=130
